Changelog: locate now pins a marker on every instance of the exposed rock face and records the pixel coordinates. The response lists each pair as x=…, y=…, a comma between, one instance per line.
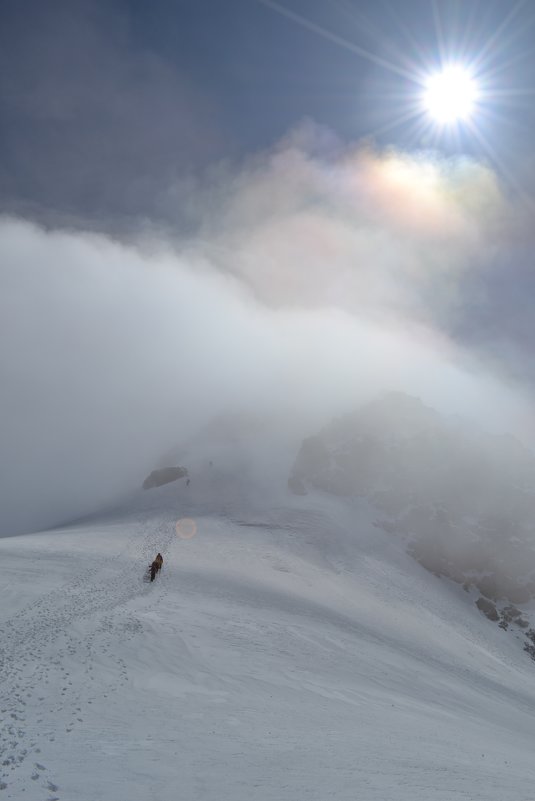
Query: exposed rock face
x=507, y=616
x=488, y=608
x=530, y=646
x=510, y=614
x=164, y=476
x=463, y=500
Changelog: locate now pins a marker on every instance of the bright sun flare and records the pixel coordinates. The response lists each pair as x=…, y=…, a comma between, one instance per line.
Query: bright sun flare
x=450, y=95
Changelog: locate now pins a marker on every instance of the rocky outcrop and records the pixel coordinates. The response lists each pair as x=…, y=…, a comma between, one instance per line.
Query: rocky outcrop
x=510, y=614
x=529, y=647
x=488, y=608
x=507, y=616
x=164, y=476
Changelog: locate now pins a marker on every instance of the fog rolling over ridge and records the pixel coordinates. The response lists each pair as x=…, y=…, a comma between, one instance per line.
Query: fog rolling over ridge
x=319, y=276
x=461, y=500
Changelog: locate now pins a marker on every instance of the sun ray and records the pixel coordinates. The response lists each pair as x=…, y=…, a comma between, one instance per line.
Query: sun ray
x=419, y=57
x=335, y=38
x=439, y=32
x=503, y=66
x=467, y=33
x=505, y=94
x=493, y=116
x=375, y=33
x=414, y=113
x=501, y=166
x=420, y=130
x=499, y=31
x=480, y=95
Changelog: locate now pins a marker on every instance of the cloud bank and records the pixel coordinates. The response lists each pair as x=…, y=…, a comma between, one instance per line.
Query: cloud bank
x=319, y=276
x=356, y=228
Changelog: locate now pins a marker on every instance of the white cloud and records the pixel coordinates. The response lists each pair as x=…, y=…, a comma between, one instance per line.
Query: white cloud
x=315, y=284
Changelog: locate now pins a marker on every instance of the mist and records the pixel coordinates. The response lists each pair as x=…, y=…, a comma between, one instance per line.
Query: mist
x=319, y=275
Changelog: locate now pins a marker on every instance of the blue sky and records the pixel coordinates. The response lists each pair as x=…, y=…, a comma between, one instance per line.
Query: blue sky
x=160, y=90
x=269, y=70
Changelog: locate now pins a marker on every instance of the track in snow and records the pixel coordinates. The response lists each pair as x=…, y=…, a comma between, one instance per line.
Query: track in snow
x=39, y=643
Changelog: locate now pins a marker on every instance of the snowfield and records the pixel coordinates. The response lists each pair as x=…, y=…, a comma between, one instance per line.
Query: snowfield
x=289, y=650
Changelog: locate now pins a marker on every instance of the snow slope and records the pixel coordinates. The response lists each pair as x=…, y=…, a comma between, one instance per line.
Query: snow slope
x=289, y=650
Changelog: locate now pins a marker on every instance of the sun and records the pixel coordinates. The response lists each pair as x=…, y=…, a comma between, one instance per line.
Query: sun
x=450, y=95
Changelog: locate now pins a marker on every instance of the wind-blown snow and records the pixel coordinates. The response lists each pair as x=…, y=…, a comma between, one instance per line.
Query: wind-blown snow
x=290, y=650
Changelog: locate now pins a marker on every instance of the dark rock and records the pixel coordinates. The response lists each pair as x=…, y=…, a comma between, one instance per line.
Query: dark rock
x=508, y=614
x=530, y=634
x=164, y=476
x=530, y=649
x=488, y=608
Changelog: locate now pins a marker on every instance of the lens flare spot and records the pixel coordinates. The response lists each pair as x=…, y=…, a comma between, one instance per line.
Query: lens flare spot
x=186, y=528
